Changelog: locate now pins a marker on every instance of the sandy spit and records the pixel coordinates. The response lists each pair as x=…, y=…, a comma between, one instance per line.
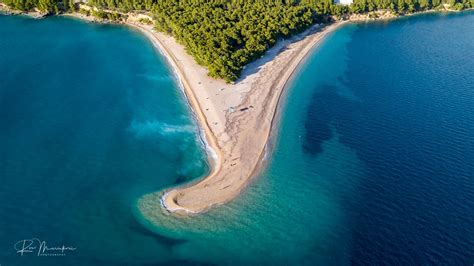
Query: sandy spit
x=236, y=118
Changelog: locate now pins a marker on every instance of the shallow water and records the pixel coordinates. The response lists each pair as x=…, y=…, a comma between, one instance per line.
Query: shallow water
x=373, y=162
x=91, y=119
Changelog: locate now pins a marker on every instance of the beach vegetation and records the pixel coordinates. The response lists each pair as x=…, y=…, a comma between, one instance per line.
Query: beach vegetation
x=124, y=5
x=227, y=35
x=146, y=21
x=107, y=15
x=84, y=12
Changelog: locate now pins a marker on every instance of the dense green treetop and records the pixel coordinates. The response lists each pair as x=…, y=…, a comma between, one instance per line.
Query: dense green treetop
x=225, y=35
x=46, y=6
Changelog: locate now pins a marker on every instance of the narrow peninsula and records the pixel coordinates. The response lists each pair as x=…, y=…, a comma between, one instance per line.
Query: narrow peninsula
x=236, y=118
x=233, y=60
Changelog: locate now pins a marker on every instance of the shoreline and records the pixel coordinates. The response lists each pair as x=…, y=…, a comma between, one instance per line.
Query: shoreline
x=207, y=137
x=200, y=195
x=236, y=121
x=264, y=85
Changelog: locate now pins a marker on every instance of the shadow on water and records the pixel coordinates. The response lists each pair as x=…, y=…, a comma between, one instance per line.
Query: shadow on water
x=140, y=229
x=412, y=132
x=325, y=111
x=180, y=180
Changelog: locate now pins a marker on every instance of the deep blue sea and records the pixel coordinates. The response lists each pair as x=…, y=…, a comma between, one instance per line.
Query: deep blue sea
x=373, y=160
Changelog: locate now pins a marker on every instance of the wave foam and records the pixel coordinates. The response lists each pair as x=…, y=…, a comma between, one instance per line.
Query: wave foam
x=155, y=127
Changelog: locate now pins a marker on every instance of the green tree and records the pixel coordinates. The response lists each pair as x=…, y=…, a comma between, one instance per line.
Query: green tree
x=401, y=6
x=72, y=6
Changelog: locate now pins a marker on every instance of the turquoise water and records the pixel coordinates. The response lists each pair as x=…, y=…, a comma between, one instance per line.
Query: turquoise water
x=91, y=119
x=373, y=162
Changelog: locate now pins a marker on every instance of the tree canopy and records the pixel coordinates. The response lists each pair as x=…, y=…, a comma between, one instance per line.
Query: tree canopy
x=225, y=35
x=45, y=6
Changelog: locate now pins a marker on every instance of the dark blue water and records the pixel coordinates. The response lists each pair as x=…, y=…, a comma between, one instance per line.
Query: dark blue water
x=411, y=123
x=414, y=130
